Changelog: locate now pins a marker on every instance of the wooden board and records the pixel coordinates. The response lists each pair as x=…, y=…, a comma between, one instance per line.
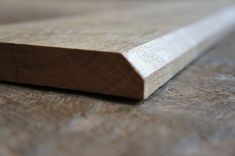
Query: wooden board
x=131, y=56
x=192, y=115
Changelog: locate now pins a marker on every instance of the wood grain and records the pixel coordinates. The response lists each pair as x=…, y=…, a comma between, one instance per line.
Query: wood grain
x=130, y=56
x=192, y=115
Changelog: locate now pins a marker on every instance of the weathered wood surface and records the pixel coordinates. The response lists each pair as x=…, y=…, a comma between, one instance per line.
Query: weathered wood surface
x=192, y=115
x=130, y=56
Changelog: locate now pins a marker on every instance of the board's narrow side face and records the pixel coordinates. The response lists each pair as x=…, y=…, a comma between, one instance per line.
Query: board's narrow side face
x=97, y=72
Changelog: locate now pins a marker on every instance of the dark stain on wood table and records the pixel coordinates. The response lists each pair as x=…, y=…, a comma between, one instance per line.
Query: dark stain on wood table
x=193, y=114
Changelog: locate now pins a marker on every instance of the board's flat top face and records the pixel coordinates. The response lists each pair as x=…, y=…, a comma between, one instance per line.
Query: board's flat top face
x=12, y=11
x=115, y=31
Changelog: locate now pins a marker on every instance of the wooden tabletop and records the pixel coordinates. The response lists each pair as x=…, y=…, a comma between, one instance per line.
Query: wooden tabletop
x=193, y=114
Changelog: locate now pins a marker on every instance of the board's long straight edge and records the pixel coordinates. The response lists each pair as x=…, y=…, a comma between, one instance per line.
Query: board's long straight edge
x=160, y=59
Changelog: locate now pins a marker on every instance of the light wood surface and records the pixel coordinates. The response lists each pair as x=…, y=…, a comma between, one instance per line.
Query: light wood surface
x=193, y=114
x=129, y=52
x=12, y=11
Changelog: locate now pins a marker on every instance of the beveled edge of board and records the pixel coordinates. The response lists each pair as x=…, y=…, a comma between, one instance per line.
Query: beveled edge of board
x=160, y=59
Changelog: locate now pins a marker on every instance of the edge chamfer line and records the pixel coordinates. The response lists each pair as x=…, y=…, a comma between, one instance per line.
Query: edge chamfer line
x=152, y=56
